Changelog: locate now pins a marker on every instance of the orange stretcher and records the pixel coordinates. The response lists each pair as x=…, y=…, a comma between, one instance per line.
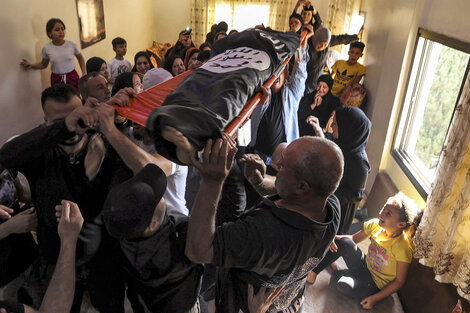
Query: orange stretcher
x=144, y=103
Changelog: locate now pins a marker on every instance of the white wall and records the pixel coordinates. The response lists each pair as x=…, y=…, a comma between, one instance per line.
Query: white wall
x=22, y=34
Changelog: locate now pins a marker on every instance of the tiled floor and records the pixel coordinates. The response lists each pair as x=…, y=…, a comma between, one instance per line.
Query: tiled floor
x=323, y=298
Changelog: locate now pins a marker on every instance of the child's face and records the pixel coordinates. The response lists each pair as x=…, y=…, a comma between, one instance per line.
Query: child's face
x=294, y=25
x=57, y=33
x=121, y=49
x=389, y=217
x=307, y=16
x=104, y=70
x=137, y=84
x=321, y=46
x=354, y=55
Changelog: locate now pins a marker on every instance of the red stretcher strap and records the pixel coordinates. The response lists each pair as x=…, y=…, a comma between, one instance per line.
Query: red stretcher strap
x=145, y=102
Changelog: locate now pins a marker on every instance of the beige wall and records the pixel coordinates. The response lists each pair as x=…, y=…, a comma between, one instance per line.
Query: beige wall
x=389, y=51
x=171, y=17
x=22, y=35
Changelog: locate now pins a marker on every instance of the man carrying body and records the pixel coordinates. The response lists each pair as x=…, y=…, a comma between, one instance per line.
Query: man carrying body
x=280, y=241
x=62, y=161
x=152, y=237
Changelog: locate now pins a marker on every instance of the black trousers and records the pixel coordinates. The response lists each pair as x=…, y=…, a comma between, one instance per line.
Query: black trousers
x=357, y=282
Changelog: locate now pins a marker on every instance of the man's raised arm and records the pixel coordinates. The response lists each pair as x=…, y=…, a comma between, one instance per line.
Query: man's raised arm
x=217, y=162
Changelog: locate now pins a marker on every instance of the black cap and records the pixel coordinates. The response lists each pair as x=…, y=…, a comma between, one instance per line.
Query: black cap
x=130, y=206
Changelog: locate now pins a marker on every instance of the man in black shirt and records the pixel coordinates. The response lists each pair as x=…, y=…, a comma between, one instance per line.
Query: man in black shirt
x=153, y=237
x=63, y=160
x=277, y=243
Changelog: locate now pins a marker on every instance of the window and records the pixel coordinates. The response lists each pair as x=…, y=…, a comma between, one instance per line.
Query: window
x=241, y=16
x=436, y=79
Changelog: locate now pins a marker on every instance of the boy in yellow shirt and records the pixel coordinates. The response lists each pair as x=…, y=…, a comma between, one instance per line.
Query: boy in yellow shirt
x=347, y=73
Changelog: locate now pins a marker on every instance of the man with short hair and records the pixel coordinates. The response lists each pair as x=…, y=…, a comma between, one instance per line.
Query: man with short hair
x=63, y=160
x=279, y=242
x=94, y=85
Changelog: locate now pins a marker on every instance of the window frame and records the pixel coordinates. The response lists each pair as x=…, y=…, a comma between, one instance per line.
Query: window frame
x=410, y=167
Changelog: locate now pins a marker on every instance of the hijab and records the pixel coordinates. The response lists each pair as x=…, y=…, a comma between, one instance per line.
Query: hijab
x=122, y=81
x=94, y=64
x=353, y=129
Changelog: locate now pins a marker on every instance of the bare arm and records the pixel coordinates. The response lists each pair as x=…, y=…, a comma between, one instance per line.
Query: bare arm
x=23, y=222
x=356, y=80
x=59, y=294
x=81, y=62
x=37, y=66
x=218, y=160
x=395, y=285
x=133, y=156
x=255, y=172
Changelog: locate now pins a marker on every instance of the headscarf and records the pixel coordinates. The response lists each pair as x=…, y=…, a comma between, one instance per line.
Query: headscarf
x=321, y=35
x=169, y=63
x=299, y=17
x=122, y=81
x=188, y=55
x=94, y=64
x=327, y=79
x=155, y=76
x=353, y=129
x=141, y=54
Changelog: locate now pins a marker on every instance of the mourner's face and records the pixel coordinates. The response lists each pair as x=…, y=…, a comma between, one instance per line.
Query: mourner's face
x=137, y=84
x=178, y=67
x=104, y=70
x=322, y=89
x=142, y=65
x=294, y=25
x=286, y=178
x=307, y=16
x=97, y=87
x=55, y=111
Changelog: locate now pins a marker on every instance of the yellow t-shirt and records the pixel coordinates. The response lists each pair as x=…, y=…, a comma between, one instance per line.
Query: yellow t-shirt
x=383, y=253
x=344, y=75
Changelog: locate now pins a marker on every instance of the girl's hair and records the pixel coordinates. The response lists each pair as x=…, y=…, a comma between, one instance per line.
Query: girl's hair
x=51, y=23
x=169, y=63
x=141, y=54
x=409, y=213
x=122, y=81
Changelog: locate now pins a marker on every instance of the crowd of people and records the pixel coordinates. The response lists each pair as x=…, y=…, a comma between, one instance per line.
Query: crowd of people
x=169, y=221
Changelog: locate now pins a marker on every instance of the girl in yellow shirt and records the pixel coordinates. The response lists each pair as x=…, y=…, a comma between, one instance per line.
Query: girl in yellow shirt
x=373, y=277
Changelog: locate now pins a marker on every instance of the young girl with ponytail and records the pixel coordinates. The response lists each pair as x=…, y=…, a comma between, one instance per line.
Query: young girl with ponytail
x=373, y=277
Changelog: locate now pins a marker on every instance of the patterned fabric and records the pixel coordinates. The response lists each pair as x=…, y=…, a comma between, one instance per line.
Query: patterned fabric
x=202, y=15
x=339, y=17
x=443, y=237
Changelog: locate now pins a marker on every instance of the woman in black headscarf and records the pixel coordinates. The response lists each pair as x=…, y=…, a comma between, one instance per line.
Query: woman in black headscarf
x=351, y=129
x=320, y=104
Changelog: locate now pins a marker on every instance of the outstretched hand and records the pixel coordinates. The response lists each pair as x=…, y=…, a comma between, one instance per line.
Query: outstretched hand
x=255, y=169
x=121, y=98
x=261, y=302
x=70, y=221
x=5, y=212
x=23, y=222
x=217, y=159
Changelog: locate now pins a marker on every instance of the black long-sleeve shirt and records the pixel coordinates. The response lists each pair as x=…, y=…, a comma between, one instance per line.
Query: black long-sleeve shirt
x=54, y=175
